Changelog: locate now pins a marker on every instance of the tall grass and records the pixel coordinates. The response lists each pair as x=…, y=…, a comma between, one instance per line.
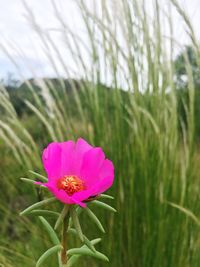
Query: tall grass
x=136, y=121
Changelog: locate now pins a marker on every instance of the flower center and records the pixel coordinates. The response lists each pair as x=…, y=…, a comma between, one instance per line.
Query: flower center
x=71, y=184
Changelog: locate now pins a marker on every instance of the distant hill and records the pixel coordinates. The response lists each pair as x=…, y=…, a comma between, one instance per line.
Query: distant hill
x=24, y=91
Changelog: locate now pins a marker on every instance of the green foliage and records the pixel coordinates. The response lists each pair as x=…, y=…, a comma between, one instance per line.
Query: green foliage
x=50, y=231
x=38, y=205
x=73, y=259
x=94, y=218
x=47, y=254
x=180, y=66
x=87, y=252
x=188, y=54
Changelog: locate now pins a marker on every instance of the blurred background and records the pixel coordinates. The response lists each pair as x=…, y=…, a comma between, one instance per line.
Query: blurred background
x=124, y=75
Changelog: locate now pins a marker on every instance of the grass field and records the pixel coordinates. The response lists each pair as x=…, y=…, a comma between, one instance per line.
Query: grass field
x=135, y=120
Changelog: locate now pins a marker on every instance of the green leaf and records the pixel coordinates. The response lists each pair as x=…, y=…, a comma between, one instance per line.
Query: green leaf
x=61, y=216
x=85, y=239
x=94, y=218
x=44, y=213
x=103, y=205
x=50, y=231
x=76, y=223
x=48, y=253
x=78, y=211
x=27, y=180
x=32, y=182
x=43, y=178
x=88, y=244
x=94, y=241
x=38, y=204
x=87, y=252
x=106, y=196
x=73, y=259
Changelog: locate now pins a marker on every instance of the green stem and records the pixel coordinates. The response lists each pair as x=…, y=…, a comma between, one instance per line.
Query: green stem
x=63, y=254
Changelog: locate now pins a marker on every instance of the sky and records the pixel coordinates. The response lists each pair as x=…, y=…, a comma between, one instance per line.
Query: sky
x=21, y=50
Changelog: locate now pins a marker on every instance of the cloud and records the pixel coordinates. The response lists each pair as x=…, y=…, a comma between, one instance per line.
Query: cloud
x=25, y=46
x=21, y=41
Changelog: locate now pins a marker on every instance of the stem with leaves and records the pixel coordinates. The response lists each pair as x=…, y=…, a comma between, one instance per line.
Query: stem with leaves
x=68, y=218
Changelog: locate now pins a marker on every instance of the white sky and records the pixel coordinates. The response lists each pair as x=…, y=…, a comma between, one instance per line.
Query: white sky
x=24, y=45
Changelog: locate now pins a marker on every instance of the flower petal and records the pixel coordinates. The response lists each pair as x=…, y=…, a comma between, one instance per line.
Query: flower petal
x=85, y=194
x=82, y=146
x=106, y=178
x=67, y=158
x=92, y=162
x=52, y=160
x=76, y=201
x=80, y=149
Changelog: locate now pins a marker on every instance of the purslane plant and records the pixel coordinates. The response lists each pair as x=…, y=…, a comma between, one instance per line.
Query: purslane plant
x=77, y=174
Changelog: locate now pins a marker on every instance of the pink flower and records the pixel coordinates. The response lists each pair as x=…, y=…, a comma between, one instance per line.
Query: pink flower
x=76, y=171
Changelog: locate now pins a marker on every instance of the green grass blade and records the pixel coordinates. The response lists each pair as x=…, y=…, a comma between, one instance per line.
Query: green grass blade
x=186, y=212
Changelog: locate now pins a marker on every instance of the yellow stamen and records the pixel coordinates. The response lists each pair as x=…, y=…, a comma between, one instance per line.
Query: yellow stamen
x=71, y=184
